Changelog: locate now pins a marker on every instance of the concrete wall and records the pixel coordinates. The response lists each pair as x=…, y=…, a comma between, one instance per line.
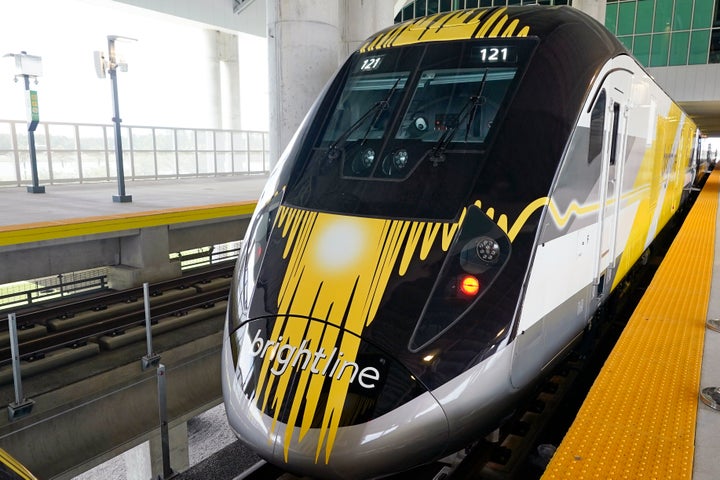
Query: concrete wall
x=594, y=8
x=136, y=255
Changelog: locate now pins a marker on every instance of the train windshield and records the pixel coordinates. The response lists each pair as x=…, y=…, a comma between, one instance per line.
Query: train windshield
x=401, y=125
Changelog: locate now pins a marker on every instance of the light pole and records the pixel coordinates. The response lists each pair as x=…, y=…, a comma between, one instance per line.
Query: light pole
x=27, y=66
x=112, y=66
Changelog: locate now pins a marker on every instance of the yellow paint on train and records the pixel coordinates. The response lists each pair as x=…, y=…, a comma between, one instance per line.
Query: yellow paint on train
x=461, y=25
x=338, y=269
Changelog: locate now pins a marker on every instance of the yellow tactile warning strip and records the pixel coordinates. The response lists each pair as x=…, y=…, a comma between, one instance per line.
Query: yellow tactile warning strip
x=75, y=227
x=638, y=420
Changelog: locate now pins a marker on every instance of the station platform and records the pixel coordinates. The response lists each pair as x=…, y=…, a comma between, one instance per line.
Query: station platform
x=643, y=417
x=78, y=227
x=84, y=209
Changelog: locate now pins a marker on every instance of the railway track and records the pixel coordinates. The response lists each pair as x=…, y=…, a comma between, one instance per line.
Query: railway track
x=111, y=319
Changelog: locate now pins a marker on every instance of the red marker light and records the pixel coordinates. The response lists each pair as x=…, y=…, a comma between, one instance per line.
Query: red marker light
x=469, y=285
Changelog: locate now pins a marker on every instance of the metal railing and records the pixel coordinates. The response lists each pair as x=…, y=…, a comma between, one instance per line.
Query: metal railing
x=24, y=294
x=78, y=153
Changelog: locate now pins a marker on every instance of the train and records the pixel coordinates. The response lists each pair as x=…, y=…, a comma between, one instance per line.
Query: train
x=462, y=197
x=11, y=469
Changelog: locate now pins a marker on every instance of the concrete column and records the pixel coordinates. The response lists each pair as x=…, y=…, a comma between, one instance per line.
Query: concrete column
x=138, y=463
x=229, y=79
x=179, y=456
x=362, y=18
x=144, y=462
x=303, y=46
x=594, y=8
x=223, y=73
x=212, y=71
x=253, y=85
x=306, y=43
x=143, y=258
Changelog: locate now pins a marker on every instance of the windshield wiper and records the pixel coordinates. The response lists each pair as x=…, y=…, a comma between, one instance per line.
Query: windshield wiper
x=377, y=108
x=437, y=153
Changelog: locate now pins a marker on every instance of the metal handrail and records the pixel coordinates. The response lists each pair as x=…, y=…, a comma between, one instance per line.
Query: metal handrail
x=49, y=288
x=78, y=153
x=60, y=288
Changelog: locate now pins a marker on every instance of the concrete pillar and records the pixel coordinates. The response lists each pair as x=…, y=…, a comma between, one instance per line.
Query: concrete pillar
x=144, y=462
x=594, y=8
x=303, y=48
x=143, y=258
x=307, y=41
x=361, y=19
x=223, y=75
x=179, y=456
x=229, y=78
x=253, y=85
x=138, y=463
x=212, y=71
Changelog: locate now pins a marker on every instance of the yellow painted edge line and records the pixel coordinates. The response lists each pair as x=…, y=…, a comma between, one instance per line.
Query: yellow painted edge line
x=75, y=227
x=639, y=418
x=12, y=464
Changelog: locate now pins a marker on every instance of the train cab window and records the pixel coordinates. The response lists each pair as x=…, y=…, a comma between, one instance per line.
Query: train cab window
x=404, y=131
x=462, y=101
x=365, y=106
x=597, y=122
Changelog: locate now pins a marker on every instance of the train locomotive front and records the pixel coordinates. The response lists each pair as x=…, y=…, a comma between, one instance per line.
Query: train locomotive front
x=375, y=301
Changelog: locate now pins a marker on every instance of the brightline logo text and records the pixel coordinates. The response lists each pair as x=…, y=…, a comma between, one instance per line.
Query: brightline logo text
x=319, y=362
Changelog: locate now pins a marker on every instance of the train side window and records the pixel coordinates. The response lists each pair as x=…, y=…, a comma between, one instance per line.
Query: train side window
x=597, y=121
x=615, y=128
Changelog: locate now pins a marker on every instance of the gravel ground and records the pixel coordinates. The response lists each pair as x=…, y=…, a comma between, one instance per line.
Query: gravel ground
x=214, y=452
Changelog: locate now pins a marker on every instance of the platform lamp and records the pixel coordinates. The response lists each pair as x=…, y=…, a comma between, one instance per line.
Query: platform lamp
x=27, y=67
x=111, y=66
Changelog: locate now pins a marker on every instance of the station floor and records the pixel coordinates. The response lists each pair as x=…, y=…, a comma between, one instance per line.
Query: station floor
x=659, y=440
x=69, y=201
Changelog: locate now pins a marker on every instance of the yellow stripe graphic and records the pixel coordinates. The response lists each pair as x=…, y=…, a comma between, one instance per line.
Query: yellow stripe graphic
x=460, y=25
x=338, y=268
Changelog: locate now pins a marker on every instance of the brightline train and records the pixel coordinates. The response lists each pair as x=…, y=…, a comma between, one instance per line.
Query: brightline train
x=457, y=204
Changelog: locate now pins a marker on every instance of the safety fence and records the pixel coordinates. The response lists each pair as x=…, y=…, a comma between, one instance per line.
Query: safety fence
x=78, y=153
x=26, y=293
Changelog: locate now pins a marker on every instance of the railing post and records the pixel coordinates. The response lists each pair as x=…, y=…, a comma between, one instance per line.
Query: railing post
x=121, y=197
x=21, y=406
x=151, y=359
x=164, y=434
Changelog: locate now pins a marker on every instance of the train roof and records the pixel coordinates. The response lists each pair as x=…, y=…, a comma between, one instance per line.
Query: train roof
x=499, y=22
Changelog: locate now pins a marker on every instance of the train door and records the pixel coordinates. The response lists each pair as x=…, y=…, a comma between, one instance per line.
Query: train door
x=613, y=101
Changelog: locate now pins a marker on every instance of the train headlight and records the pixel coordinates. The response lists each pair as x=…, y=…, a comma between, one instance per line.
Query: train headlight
x=394, y=163
x=364, y=162
x=487, y=250
x=400, y=159
x=480, y=254
x=475, y=259
x=469, y=285
x=367, y=157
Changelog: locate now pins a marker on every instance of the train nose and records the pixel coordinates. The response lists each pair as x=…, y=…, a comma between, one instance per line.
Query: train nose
x=326, y=403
